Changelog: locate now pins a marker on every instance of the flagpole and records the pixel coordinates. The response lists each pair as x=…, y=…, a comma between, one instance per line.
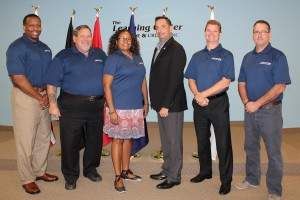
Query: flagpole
x=212, y=13
x=73, y=14
x=98, y=9
x=97, y=43
x=165, y=11
x=35, y=9
x=213, y=146
x=137, y=143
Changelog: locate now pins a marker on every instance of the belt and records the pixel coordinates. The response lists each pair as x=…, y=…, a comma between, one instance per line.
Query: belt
x=81, y=97
x=272, y=103
x=216, y=96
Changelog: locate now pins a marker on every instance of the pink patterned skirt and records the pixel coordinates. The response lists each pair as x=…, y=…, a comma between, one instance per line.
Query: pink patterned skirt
x=131, y=124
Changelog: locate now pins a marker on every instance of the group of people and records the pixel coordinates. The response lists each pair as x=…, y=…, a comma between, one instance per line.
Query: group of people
x=93, y=85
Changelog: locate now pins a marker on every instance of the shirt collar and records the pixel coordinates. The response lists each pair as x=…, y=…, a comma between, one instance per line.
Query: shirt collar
x=160, y=45
x=75, y=50
x=119, y=52
x=218, y=48
x=264, y=51
x=27, y=39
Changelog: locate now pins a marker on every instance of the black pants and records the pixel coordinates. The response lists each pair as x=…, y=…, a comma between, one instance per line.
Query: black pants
x=217, y=114
x=80, y=115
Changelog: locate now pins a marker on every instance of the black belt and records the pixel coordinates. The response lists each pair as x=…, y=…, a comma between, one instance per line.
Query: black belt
x=80, y=97
x=272, y=103
x=216, y=96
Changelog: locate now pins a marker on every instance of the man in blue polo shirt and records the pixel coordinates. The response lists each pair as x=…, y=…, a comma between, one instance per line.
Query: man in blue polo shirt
x=78, y=72
x=263, y=77
x=27, y=61
x=209, y=74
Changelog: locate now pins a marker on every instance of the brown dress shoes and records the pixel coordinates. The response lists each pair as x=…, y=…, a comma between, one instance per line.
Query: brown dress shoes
x=47, y=177
x=31, y=188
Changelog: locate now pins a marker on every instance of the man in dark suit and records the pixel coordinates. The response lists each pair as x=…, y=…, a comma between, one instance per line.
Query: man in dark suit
x=168, y=99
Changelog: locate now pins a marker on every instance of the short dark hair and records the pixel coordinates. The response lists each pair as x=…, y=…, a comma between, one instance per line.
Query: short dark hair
x=78, y=28
x=261, y=21
x=112, y=47
x=29, y=16
x=165, y=18
x=213, y=22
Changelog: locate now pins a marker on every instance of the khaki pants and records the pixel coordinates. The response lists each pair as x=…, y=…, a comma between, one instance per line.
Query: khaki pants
x=32, y=132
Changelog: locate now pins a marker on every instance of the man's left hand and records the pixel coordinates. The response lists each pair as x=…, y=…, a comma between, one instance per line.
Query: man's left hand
x=252, y=106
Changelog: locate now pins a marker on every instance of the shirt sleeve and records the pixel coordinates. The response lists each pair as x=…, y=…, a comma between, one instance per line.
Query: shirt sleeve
x=242, y=75
x=281, y=71
x=228, y=67
x=55, y=72
x=110, y=66
x=190, y=72
x=15, y=60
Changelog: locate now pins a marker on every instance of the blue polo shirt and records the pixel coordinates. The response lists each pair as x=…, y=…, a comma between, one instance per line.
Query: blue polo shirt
x=77, y=74
x=261, y=71
x=207, y=67
x=28, y=58
x=128, y=75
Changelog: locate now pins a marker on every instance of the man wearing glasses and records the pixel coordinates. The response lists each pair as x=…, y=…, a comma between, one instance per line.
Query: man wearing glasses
x=263, y=77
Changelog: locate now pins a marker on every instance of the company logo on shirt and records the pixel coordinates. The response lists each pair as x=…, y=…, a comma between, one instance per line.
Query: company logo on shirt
x=141, y=63
x=265, y=63
x=47, y=50
x=98, y=60
x=217, y=59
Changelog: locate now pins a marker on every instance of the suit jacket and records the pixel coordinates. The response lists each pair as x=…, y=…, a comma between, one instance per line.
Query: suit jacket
x=166, y=86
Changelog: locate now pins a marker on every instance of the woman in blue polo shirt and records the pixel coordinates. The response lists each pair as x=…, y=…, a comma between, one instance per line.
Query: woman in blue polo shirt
x=125, y=90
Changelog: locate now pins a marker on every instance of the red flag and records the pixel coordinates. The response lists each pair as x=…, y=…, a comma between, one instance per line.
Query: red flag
x=97, y=43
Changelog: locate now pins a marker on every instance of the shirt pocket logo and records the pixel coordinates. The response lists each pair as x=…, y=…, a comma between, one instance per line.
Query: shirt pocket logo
x=217, y=59
x=98, y=60
x=47, y=51
x=265, y=63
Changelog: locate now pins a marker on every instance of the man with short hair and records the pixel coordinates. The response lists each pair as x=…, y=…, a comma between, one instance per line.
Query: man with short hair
x=168, y=99
x=27, y=61
x=78, y=72
x=209, y=74
x=263, y=77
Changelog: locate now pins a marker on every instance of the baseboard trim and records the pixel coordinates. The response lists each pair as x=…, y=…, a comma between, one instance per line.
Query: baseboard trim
x=6, y=128
x=186, y=124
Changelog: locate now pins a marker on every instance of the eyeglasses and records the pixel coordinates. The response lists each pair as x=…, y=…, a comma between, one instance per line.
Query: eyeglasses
x=125, y=39
x=261, y=32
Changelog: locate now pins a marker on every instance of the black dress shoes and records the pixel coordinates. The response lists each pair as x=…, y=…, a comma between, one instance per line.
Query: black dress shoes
x=167, y=185
x=199, y=178
x=160, y=176
x=95, y=177
x=70, y=185
x=224, y=189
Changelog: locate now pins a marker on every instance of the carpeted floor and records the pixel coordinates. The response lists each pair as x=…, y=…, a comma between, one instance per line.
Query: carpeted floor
x=10, y=187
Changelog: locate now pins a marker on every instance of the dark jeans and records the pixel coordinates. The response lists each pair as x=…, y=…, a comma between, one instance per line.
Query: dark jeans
x=217, y=114
x=80, y=116
x=265, y=123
